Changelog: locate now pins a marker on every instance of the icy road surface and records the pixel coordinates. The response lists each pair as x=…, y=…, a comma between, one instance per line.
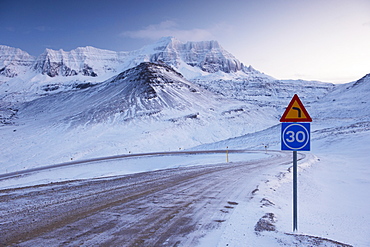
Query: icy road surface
x=176, y=206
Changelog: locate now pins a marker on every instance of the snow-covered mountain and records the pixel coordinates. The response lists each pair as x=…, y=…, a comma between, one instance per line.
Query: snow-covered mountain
x=86, y=61
x=206, y=64
x=148, y=92
x=148, y=107
x=21, y=72
x=14, y=61
x=209, y=56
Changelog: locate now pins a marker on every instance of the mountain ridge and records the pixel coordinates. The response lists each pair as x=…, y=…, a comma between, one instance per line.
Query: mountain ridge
x=209, y=56
x=57, y=70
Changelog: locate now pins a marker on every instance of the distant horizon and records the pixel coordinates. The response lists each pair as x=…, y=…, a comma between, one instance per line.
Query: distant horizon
x=286, y=39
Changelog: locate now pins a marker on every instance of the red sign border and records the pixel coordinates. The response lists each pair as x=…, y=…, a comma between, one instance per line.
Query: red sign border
x=296, y=99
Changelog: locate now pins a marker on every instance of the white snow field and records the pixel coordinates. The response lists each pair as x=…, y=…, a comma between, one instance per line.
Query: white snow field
x=333, y=200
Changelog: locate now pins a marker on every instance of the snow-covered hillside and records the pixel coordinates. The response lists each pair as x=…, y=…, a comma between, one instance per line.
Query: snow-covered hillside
x=339, y=109
x=148, y=91
x=349, y=101
x=150, y=107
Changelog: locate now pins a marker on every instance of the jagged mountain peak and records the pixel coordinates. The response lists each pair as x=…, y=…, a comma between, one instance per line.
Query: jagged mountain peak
x=87, y=61
x=209, y=56
x=14, y=61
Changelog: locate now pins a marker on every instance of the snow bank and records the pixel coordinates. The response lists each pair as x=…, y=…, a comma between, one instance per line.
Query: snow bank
x=333, y=201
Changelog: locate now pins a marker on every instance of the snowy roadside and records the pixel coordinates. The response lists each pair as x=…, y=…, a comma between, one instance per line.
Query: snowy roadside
x=333, y=206
x=124, y=166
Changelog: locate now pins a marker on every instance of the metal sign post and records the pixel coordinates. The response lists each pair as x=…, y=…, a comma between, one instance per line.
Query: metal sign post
x=295, y=192
x=227, y=154
x=295, y=136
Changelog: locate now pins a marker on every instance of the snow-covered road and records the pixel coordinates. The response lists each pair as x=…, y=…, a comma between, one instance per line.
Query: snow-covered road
x=168, y=207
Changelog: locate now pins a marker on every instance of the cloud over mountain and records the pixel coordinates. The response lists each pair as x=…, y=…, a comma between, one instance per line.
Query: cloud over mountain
x=169, y=28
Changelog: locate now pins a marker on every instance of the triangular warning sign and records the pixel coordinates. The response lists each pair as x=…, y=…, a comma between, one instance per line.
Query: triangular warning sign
x=295, y=112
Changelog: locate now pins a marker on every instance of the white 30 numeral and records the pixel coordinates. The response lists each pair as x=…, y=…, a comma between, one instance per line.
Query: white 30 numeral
x=300, y=136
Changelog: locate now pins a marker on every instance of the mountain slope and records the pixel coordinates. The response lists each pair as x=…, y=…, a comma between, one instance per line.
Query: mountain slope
x=147, y=108
x=347, y=101
x=264, y=91
x=344, y=110
x=150, y=92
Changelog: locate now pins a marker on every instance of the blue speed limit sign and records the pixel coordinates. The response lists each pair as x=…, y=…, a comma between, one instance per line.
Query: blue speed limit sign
x=295, y=136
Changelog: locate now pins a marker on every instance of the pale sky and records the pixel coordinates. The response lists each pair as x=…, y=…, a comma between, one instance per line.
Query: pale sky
x=326, y=40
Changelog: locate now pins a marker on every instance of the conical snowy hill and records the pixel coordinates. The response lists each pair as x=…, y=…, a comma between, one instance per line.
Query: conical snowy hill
x=146, y=92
